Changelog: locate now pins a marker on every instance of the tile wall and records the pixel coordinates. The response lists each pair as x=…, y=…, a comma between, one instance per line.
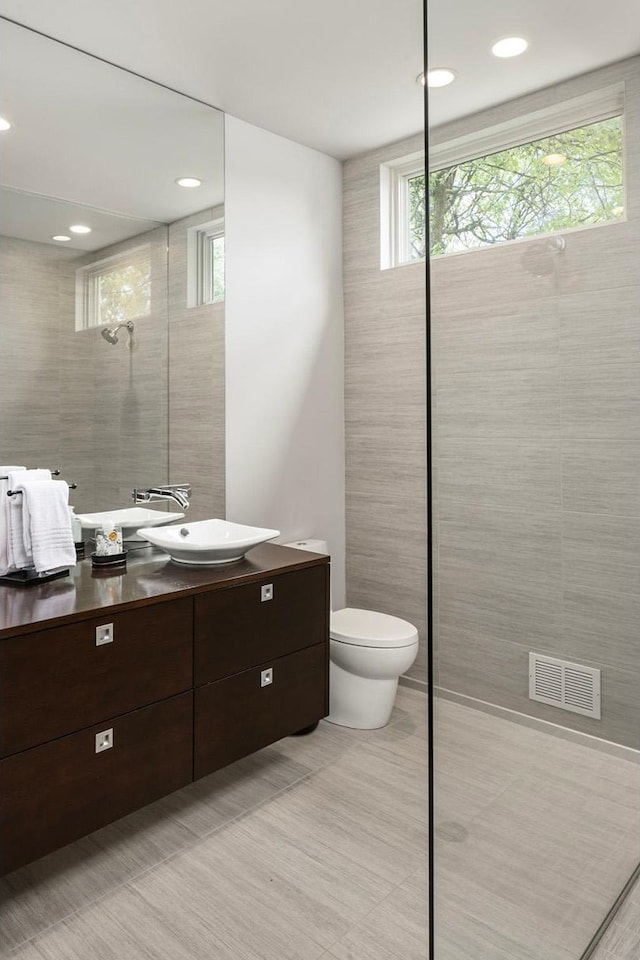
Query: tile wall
x=385, y=410
x=536, y=454
x=196, y=383
x=536, y=418
x=112, y=417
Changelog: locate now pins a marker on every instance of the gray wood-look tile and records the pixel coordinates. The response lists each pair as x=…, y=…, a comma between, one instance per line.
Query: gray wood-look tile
x=525, y=848
x=600, y=326
x=514, y=474
x=601, y=401
x=334, y=864
x=211, y=802
x=602, y=552
x=43, y=893
x=508, y=542
x=26, y=952
x=575, y=314
x=226, y=887
x=345, y=813
x=384, y=409
x=500, y=404
x=500, y=277
x=196, y=382
x=622, y=939
x=495, y=670
x=602, y=626
x=196, y=411
x=601, y=476
x=600, y=258
x=396, y=930
x=485, y=337
x=124, y=925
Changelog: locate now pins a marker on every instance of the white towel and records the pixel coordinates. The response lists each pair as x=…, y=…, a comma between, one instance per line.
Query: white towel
x=22, y=501
x=5, y=566
x=47, y=509
x=18, y=556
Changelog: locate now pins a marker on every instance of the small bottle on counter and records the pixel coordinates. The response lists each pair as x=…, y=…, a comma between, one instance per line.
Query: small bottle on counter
x=76, y=526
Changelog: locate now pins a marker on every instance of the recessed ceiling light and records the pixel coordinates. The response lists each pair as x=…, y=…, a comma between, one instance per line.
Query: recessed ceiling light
x=509, y=47
x=438, y=77
x=79, y=228
x=554, y=159
x=61, y=238
x=4, y=124
x=188, y=182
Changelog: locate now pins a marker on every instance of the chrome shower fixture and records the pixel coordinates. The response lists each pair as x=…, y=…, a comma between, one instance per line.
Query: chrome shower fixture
x=110, y=334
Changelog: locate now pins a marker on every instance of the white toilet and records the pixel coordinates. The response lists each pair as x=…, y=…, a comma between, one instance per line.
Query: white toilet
x=369, y=651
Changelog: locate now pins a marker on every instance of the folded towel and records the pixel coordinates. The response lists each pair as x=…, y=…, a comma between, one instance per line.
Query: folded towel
x=4, y=518
x=18, y=556
x=47, y=509
x=29, y=475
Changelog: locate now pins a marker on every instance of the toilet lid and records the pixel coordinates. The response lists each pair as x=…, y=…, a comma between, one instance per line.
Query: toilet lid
x=366, y=628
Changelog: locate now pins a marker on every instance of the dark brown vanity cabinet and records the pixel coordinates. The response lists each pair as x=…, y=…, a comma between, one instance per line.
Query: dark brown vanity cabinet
x=260, y=664
x=55, y=681
x=101, y=715
x=62, y=790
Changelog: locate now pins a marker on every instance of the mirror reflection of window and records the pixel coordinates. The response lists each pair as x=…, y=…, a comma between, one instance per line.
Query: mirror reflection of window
x=115, y=289
x=206, y=263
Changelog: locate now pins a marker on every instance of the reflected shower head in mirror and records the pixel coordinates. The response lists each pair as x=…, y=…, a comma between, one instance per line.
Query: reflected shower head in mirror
x=110, y=334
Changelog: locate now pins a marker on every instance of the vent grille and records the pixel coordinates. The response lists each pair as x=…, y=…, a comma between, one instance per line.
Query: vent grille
x=569, y=686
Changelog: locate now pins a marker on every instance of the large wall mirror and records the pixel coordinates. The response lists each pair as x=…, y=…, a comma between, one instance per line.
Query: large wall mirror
x=112, y=277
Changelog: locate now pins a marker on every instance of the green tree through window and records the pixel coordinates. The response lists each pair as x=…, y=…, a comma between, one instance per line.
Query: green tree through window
x=571, y=179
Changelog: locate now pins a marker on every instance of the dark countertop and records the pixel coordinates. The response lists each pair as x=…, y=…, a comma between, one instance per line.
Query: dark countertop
x=149, y=577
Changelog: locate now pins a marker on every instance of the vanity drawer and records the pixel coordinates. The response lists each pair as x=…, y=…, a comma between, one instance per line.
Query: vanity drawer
x=236, y=716
x=61, y=791
x=237, y=628
x=56, y=681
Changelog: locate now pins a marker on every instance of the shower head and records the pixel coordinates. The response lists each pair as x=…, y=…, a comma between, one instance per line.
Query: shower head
x=110, y=334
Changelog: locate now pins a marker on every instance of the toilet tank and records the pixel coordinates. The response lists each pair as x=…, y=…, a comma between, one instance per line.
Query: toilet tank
x=314, y=546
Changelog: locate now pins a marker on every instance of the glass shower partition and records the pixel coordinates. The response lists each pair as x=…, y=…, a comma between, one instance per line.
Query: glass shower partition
x=535, y=419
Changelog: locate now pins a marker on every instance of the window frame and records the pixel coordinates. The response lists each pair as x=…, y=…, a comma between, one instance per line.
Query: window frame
x=594, y=107
x=87, y=279
x=200, y=256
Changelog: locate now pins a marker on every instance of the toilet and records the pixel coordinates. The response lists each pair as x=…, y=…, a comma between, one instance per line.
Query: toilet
x=368, y=652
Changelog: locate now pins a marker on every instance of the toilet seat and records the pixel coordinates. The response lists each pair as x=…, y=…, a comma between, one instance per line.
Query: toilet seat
x=368, y=628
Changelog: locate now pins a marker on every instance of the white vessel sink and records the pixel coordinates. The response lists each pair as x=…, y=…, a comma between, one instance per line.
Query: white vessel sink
x=207, y=542
x=129, y=518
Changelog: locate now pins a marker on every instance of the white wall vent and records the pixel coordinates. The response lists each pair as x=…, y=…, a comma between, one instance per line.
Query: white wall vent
x=560, y=683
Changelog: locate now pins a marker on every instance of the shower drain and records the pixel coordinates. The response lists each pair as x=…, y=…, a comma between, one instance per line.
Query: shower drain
x=451, y=832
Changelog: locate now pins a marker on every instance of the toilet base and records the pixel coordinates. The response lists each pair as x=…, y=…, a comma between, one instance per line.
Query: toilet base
x=361, y=703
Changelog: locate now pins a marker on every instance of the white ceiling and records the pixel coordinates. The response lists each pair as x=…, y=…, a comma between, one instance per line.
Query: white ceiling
x=97, y=137
x=339, y=75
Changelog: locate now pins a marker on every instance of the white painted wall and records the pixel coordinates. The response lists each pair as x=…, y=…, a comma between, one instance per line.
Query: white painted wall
x=284, y=339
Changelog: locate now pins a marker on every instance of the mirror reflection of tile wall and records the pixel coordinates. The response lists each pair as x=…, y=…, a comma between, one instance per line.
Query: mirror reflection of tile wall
x=105, y=413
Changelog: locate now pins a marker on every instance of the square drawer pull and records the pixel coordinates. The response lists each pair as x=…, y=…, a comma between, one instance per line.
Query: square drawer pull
x=266, y=592
x=266, y=677
x=104, y=634
x=104, y=740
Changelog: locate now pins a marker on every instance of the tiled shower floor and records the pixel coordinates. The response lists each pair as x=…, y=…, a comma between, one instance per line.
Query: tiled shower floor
x=551, y=837
x=316, y=848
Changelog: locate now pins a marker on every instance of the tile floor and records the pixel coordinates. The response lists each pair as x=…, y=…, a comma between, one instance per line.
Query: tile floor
x=539, y=836
x=315, y=849
x=622, y=939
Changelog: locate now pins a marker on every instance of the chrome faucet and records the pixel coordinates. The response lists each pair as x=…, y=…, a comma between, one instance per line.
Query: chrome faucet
x=180, y=492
